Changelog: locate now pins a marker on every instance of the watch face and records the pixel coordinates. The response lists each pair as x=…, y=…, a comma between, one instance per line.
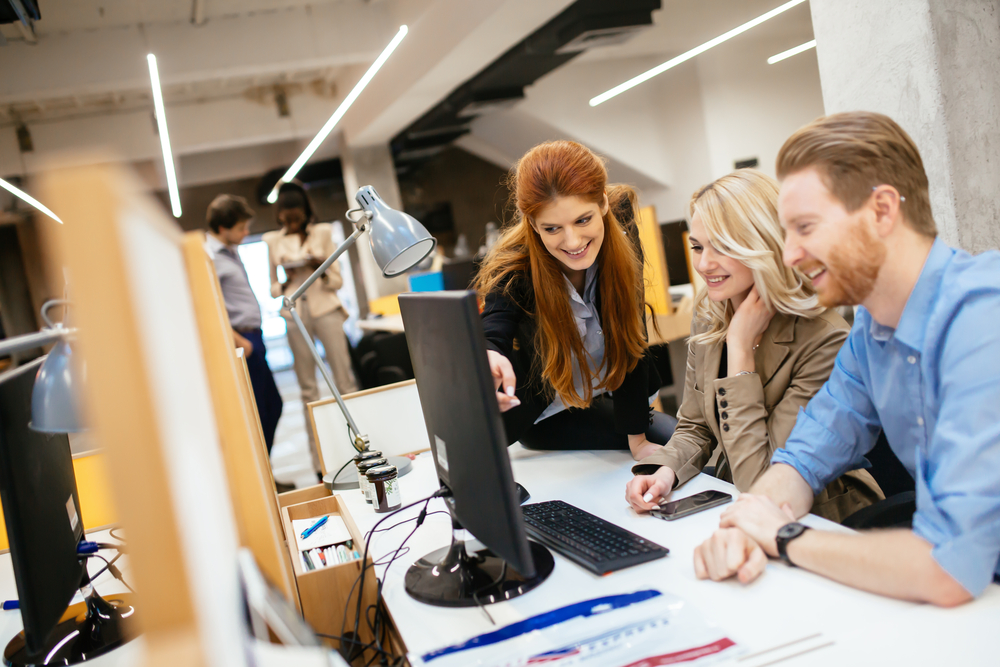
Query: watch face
x=788, y=531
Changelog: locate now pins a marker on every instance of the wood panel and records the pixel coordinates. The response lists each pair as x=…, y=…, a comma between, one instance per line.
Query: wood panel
x=655, y=265
x=251, y=484
x=148, y=404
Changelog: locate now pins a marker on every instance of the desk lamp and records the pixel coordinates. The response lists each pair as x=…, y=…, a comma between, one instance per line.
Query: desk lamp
x=53, y=399
x=399, y=242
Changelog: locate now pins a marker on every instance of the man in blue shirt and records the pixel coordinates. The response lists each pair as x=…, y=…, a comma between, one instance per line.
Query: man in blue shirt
x=922, y=363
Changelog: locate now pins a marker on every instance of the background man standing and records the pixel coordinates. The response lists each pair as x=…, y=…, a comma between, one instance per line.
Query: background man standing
x=229, y=220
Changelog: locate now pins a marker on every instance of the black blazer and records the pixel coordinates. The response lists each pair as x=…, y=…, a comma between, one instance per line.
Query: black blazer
x=507, y=318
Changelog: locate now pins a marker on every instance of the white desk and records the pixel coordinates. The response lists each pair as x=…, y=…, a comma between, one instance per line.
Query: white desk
x=785, y=604
x=390, y=323
x=10, y=621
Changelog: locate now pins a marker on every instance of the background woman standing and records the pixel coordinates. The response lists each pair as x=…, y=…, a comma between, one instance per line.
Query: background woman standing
x=299, y=247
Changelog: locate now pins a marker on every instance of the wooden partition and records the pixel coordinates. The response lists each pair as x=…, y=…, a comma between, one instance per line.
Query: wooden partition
x=655, y=262
x=390, y=416
x=248, y=467
x=150, y=407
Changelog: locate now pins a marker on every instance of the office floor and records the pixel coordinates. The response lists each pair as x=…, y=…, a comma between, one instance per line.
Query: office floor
x=290, y=460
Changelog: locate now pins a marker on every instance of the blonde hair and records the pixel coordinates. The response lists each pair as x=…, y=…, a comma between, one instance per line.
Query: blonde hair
x=740, y=215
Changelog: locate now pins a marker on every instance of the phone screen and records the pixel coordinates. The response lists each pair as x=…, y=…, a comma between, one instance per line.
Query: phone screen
x=690, y=505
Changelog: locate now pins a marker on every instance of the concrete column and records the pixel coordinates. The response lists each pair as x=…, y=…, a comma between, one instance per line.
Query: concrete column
x=372, y=165
x=931, y=65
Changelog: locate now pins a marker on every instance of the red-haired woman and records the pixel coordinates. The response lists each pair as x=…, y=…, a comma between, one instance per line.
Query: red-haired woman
x=563, y=316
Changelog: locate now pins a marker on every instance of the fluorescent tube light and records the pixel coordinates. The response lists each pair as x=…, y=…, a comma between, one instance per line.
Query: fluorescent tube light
x=28, y=198
x=161, y=123
x=688, y=55
x=338, y=114
x=792, y=52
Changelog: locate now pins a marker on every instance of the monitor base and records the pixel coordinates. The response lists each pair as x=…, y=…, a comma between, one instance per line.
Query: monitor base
x=450, y=577
x=88, y=629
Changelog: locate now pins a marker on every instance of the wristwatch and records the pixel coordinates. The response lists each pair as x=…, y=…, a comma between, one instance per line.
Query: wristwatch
x=786, y=534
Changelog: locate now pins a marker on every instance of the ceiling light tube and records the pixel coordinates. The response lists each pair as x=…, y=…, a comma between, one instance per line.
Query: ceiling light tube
x=161, y=124
x=338, y=114
x=792, y=52
x=688, y=55
x=28, y=198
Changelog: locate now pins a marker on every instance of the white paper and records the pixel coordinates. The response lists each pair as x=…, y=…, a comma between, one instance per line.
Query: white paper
x=334, y=531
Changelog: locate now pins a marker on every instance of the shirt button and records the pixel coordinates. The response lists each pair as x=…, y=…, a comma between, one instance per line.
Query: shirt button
x=725, y=415
x=912, y=359
x=725, y=427
x=724, y=404
x=600, y=333
x=722, y=391
x=920, y=421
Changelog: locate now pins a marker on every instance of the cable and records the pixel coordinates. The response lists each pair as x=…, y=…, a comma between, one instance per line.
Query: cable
x=359, y=582
x=475, y=593
x=111, y=532
x=115, y=572
x=349, y=462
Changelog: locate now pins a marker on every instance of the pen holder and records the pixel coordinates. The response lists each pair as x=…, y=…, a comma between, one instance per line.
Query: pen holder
x=323, y=592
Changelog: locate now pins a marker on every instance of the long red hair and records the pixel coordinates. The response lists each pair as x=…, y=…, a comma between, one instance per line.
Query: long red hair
x=567, y=169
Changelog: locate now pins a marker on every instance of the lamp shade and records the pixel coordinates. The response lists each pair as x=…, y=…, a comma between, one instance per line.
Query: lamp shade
x=399, y=241
x=54, y=398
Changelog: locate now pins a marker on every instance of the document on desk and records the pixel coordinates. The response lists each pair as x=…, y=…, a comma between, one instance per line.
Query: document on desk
x=641, y=629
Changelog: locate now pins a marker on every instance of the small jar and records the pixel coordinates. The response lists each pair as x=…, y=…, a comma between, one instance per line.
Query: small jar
x=383, y=484
x=363, y=467
x=366, y=455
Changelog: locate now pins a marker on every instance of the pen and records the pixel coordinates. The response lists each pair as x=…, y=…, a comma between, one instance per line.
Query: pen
x=322, y=557
x=11, y=604
x=313, y=528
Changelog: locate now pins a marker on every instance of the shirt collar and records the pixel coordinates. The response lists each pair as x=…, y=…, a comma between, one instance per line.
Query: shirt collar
x=589, y=291
x=913, y=321
x=213, y=245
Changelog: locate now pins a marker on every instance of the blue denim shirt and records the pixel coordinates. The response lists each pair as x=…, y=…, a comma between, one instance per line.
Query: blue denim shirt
x=933, y=385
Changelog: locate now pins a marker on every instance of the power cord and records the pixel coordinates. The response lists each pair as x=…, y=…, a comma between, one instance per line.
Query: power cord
x=359, y=582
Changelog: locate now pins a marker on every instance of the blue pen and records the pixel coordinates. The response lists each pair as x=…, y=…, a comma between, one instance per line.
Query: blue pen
x=11, y=604
x=313, y=528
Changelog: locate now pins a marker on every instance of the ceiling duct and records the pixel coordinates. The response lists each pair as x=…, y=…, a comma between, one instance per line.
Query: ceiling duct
x=500, y=85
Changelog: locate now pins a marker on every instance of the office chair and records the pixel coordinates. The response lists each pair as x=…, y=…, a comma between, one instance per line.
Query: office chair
x=896, y=511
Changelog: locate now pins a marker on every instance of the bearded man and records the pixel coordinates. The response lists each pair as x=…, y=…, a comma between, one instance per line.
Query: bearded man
x=922, y=363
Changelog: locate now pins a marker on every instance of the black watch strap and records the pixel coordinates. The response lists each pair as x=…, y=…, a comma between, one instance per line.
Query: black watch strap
x=786, y=534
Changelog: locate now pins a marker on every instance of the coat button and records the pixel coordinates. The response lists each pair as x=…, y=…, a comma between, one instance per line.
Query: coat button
x=725, y=415
x=722, y=391
x=723, y=404
x=725, y=427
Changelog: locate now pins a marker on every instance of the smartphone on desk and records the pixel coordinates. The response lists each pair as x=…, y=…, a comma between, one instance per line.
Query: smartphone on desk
x=677, y=509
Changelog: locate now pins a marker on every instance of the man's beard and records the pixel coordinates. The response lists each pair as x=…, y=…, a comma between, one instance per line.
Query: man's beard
x=852, y=268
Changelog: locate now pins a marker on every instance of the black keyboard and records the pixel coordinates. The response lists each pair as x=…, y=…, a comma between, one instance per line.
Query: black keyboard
x=590, y=541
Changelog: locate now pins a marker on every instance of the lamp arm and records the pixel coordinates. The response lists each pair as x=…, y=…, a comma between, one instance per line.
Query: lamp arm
x=348, y=242
x=360, y=440
x=30, y=341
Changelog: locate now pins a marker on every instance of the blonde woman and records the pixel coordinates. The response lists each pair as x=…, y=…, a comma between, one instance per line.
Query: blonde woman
x=761, y=347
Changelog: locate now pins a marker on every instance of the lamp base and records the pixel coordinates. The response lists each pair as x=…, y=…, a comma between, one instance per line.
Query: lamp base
x=348, y=478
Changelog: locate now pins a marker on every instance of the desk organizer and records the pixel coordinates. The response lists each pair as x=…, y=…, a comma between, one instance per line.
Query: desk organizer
x=323, y=592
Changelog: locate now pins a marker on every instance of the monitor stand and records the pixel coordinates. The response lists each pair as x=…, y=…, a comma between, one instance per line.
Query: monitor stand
x=451, y=577
x=88, y=629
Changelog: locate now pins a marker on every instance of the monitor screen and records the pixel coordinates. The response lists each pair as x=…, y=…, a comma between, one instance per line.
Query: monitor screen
x=41, y=508
x=448, y=348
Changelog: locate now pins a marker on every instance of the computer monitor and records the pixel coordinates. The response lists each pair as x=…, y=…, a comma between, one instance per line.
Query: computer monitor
x=41, y=508
x=448, y=348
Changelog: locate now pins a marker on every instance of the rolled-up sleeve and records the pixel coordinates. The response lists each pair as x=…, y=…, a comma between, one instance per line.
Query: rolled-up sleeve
x=839, y=425
x=958, y=508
